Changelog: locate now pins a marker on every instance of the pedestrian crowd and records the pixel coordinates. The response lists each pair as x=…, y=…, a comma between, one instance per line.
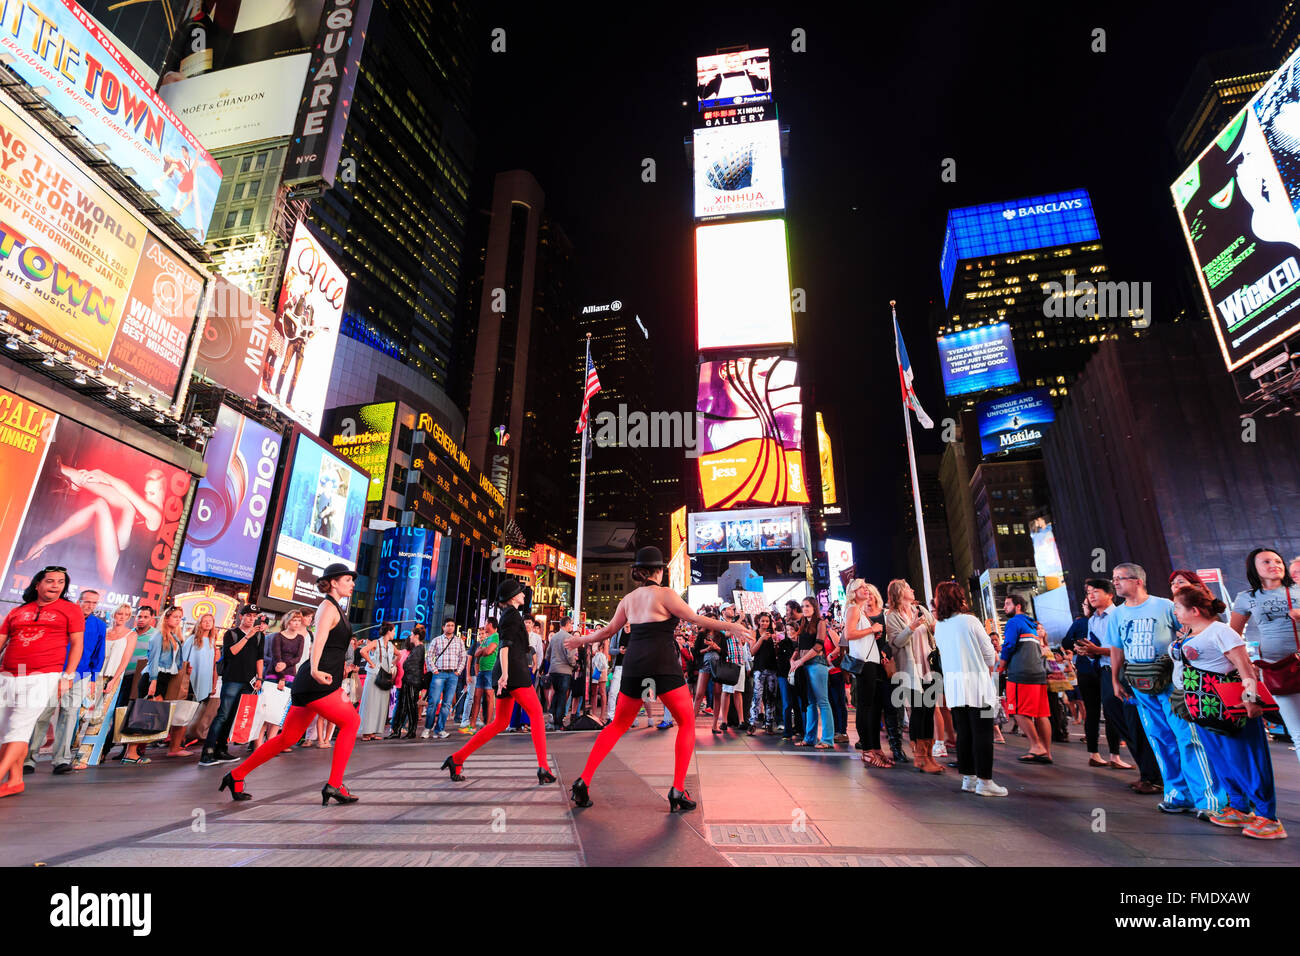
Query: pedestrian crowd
x=1193, y=690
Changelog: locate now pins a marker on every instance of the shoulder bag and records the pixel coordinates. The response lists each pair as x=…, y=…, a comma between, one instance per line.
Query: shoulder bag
x=1214, y=700
x=1149, y=677
x=726, y=672
x=1282, y=678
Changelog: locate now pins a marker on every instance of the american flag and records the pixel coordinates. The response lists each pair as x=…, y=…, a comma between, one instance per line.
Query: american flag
x=592, y=387
x=905, y=379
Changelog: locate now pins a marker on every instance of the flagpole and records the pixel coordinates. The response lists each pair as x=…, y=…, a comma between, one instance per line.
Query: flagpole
x=916, y=489
x=582, y=502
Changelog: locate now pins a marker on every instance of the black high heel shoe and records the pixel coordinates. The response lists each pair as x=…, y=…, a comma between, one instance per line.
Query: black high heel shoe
x=544, y=776
x=578, y=793
x=236, y=788
x=451, y=767
x=679, y=800
x=340, y=794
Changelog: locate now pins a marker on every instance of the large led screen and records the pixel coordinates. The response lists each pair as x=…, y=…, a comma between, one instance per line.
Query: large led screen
x=76, y=499
x=84, y=272
x=407, y=578
x=978, y=359
x=1238, y=204
x=231, y=505
x=752, y=433
x=61, y=53
x=996, y=228
x=760, y=529
x=738, y=170
x=363, y=435
x=743, y=285
x=1014, y=422
x=300, y=353
x=839, y=556
x=322, y=506
x=733, y=78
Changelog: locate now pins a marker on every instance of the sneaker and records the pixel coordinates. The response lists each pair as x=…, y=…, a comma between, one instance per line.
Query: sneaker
x=1231, y=817
x=443, y=735
x=208, y=759
x=939, y=749
x=664, y=724
x=968, y=784
x=425, y=734
x=225, y=756
x=987, y=788
x=841, y=738
x=1164, y=806
x=1263, y=829
x=465, y=730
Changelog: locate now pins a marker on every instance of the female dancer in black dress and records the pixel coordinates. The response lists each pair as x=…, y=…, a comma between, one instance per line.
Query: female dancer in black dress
x=515, y=687
x=652, y=663
x=317, y=692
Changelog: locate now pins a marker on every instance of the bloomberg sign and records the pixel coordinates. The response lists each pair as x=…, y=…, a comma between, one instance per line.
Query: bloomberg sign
x=1036, y=222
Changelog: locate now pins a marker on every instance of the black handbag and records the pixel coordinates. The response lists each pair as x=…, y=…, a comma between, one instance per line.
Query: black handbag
x=145, y=717
x=851, y=664
x=383, y=680
x=726, y=672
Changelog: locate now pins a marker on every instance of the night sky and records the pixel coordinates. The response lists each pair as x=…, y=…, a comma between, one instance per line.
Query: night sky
x=884, y=93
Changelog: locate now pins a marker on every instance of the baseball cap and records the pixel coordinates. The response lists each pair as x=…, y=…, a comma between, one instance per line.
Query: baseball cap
x=248, y=609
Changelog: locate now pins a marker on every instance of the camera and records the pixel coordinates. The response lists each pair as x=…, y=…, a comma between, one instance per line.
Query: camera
x=262, y=621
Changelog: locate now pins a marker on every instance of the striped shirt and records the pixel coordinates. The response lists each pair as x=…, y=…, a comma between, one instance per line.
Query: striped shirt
x=447, y=653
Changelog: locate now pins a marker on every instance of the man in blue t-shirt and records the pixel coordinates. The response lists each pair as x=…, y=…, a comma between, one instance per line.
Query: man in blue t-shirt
x=1140, y=630
x=1022, y=658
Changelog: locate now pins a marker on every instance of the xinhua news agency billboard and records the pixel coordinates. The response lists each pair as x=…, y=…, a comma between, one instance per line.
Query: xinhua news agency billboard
x=1238, y=206
x=996, y=228
x=978, y=359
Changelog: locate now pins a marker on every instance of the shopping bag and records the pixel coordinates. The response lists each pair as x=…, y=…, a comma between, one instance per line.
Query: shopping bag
x=241, y=729
x=146, y=717
x=272, y=707
x=184, y=711
x=202, y=723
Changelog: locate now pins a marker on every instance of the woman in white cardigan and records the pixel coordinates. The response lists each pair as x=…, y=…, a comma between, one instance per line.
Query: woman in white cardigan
x=967, y=656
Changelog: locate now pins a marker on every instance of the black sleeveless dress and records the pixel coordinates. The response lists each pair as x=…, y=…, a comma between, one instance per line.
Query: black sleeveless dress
x=305, y=687
x=652, y=655
x=511, y=634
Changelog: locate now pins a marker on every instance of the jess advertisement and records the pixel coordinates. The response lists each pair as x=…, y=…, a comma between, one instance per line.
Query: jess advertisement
x=752, y=414
x=102, y=509
x=83, y=272
x=230, y=510
x=300, y=353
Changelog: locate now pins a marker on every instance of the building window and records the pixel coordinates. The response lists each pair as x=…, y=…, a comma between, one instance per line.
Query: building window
x=1003, y=529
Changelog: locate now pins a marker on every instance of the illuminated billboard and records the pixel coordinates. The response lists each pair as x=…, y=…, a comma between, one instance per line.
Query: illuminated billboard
x=1237, y=205
x=322, y=505
x=232, y=350
x=1014, y=422
x=759, y=529
x=978, y=359
x=85, y=272
x=231, y=504
x=57, y=49
x=839, y=555
x=752, y=437
x=300, y=352
x=407, y=578
x=243, y=84
x=363, y=435
x=733, y=79
x=742, y=285
x=996, y=228
x=738, y=170
x=79, y=500
x=827, y=461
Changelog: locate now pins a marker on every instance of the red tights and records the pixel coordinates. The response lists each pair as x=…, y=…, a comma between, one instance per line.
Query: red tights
x=678, y=703
x=334, y=709
x=526, y=698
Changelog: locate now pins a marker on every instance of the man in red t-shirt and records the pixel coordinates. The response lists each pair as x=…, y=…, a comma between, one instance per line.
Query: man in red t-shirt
x=36, y=639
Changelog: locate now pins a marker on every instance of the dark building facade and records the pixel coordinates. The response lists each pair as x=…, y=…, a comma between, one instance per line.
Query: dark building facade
x=1149, y=461
x=398, y=228
x=938, y=544
x=1006, y=497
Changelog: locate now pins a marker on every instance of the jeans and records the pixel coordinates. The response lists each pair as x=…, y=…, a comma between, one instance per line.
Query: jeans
x=65, y=724
x=219, y=733
x=466, y=702
x=818, y=701
x=560, y=703
x=789, y=706
x=442, y=696
x=839, y=707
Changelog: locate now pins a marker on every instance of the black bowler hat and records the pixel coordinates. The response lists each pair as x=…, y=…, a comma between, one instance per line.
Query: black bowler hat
x=650, y=557
x=336, y=570
x=508, y=589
